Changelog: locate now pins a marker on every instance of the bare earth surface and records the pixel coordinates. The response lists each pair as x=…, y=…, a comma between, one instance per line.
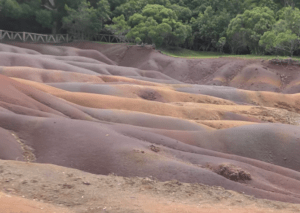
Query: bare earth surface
x=179, y=135
x=46, y=188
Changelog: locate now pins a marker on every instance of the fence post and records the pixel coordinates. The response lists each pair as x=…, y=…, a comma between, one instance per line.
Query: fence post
x=24, y=36
x=67, y=38
x=0, y=35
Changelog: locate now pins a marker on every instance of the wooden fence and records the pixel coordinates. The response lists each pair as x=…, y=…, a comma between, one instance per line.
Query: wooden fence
x=97, y=37
x=33, y=37
x=58, y=38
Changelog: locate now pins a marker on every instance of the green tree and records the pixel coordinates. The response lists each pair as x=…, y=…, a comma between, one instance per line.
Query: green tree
x=180, y=32
x=288, y=3
x=160, y=33
x=285, y=34
x=115, y=3
x=210, y=26
x=165, y=3
x=11, y=9
x=18, y=9
x=144, y=30
x=158, y=25
x=221, y=43
x=119, y=27
x=129, y=8
x=136, y=19
x=85, y=16
x=250, y=26
x=159, y=12
x=103, y=12
x=44, y=17
x=233, y=7
x=250, y=4
x=58, y=10
x=83, y=20
x=20, y=15
x=282, y=42
x=183, y=13
x=210, y=19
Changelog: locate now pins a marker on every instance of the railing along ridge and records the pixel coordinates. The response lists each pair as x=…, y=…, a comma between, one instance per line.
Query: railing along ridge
x=57, y=38
x=33, y=37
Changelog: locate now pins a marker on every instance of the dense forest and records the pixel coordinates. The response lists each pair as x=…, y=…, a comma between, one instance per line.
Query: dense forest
x=232, y=26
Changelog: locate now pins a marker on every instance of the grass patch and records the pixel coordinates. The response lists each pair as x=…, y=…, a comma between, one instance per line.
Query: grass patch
x=186, y=53
x=102, y=42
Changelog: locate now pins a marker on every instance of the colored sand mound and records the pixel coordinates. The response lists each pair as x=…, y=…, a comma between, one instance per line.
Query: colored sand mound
x=132, y=111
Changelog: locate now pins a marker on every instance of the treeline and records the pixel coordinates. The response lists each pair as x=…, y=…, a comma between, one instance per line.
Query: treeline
x=233, y=26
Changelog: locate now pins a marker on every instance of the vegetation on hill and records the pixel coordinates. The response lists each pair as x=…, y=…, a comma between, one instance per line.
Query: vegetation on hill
x=260, y=27
x=186, y=53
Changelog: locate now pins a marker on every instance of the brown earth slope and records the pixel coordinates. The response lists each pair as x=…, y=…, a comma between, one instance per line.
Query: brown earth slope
x=28, y=188
x=257, y=75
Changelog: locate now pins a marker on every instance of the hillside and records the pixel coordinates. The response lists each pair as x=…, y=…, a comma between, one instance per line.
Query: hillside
x=226, y=128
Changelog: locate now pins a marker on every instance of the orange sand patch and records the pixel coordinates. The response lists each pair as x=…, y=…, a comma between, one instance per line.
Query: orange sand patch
x=185, y=110
x=14, y=204
x=222, y=124
x=109, y=79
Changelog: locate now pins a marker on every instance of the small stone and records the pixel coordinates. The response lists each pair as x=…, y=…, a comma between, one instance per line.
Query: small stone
x=86, y=183
x=154, y=148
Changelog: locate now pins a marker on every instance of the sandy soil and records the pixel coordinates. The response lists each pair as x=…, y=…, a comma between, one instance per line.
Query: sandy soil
x=45, y=188
x=226, y=129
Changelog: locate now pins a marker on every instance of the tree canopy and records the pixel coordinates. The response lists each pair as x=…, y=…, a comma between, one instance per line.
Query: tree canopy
x=236, y=26
x=158, y=25
x=285, y=34
x=250, y=26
